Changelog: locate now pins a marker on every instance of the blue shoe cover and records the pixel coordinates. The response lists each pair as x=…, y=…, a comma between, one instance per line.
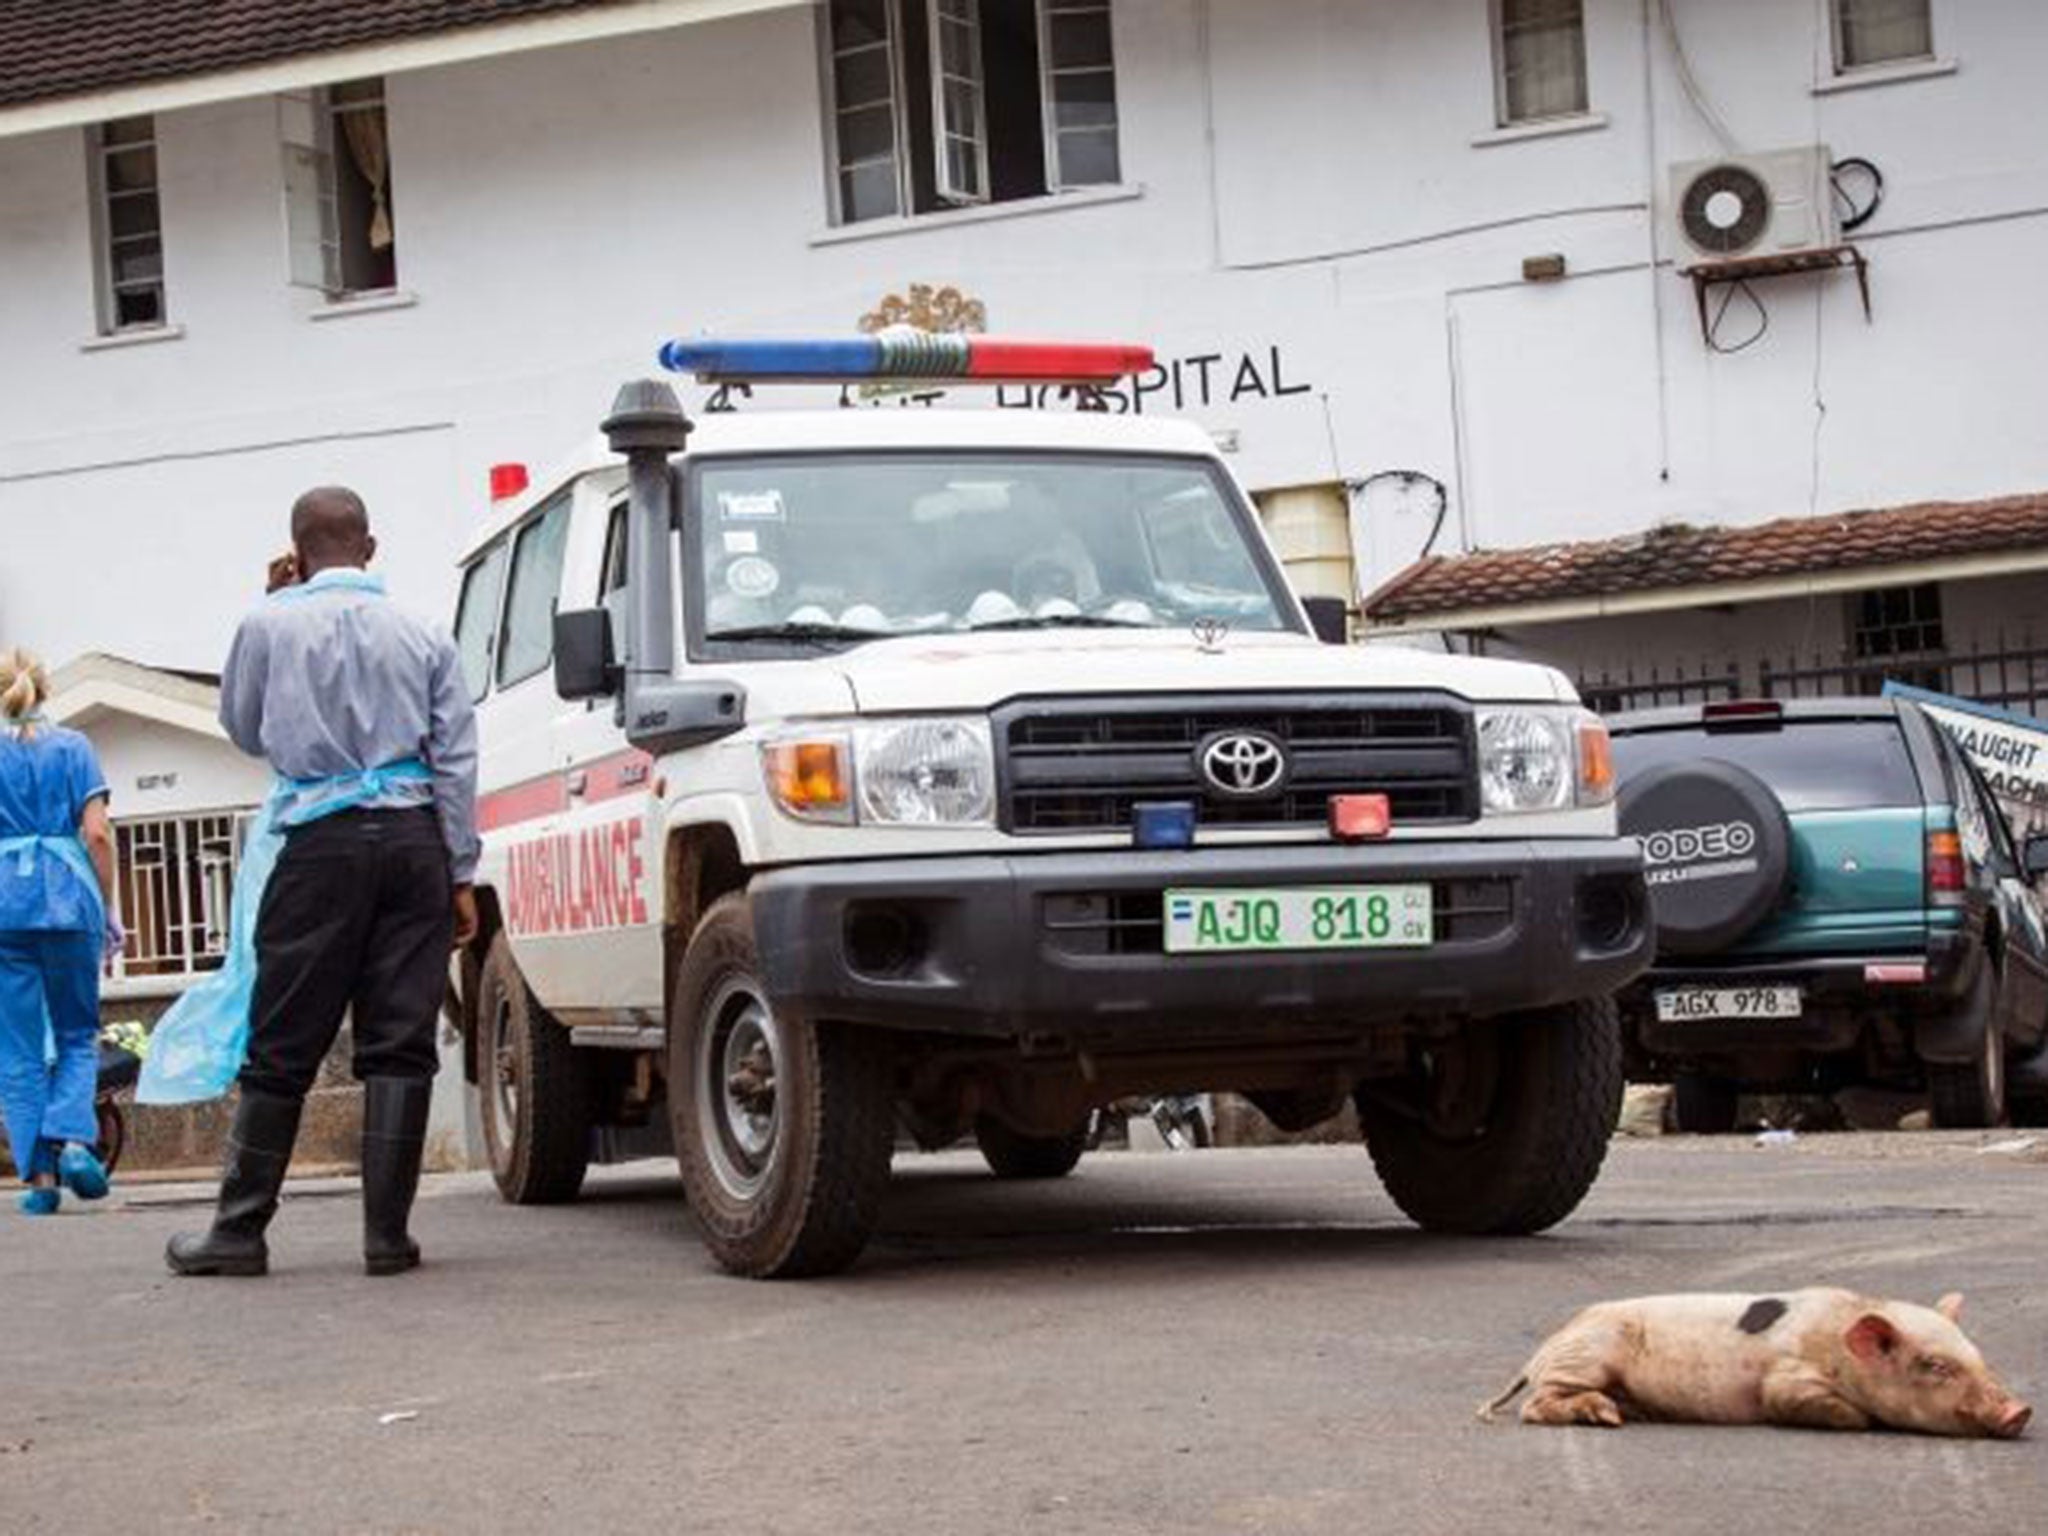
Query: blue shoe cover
x=40, y=1202
x=81, y=1173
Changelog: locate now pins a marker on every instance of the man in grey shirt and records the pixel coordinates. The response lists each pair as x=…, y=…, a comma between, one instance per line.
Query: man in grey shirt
x=362, y=709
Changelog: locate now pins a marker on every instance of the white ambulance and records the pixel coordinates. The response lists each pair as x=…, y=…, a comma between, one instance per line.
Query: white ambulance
x=964, y=770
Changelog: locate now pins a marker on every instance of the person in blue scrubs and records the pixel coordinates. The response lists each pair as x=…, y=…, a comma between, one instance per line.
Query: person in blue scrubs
x=56, y=889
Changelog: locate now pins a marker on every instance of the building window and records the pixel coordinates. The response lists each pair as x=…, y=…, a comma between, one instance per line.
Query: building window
x=342, y=228
x=1869, y=32
x=1539, y=60
x=175, y=876
x=1892, y=628
x=952, y=103
x=127, y=225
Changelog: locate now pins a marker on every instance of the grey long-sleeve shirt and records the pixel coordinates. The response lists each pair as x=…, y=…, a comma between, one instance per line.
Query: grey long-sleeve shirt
x=334, y=678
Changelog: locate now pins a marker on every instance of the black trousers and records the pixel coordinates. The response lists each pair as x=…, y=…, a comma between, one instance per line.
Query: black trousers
x=356, y=919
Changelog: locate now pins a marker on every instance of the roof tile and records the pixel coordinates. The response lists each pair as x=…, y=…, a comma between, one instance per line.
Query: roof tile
x=1678, y=555
x=55, y=48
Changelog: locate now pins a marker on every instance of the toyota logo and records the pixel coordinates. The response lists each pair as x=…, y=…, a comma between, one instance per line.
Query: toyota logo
x=1243, y=764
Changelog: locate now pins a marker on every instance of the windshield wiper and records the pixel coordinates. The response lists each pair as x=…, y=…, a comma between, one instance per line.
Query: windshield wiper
x=1059, y=621
x=822, y=633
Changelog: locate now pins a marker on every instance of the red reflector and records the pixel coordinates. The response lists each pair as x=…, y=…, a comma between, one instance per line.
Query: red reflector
x=1907, y=973
x=1355, y=818
x=507, y=480
x=1077, y=361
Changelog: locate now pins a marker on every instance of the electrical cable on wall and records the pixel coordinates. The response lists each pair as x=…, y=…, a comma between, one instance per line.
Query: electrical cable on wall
x=1728, y=296
x=1409, y=479
x=1843, y=176
x=1690, y=84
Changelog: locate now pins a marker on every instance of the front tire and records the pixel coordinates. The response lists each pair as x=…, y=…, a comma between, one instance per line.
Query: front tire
x=1013, y=1155
x=783, y=1130
x=1502, y=1130
x=536, y=1087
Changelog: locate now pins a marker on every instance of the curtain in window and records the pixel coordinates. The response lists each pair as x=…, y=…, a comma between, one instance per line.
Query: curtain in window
x=1543, y=59
x=1879, y=31
x=369, y=146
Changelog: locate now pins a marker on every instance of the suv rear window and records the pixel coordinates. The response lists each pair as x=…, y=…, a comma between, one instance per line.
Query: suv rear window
x=1812, y=765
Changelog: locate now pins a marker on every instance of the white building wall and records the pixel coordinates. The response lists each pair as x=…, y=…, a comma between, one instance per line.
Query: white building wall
x=157, y=770
x=1315, y=180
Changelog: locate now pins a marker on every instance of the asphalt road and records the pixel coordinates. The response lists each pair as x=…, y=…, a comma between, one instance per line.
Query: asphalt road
x=1211, y=1342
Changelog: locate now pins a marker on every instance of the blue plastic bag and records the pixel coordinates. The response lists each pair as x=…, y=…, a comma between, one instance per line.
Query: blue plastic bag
x=198, y=1046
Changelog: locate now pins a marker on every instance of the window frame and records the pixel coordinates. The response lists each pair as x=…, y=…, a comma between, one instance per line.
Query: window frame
x=108, y=285
x=1503, y=119
x=562, y=502
x=500, y=546
x=945, y=187
x=905, y=148
x=1048, y=94
x=1838, y=54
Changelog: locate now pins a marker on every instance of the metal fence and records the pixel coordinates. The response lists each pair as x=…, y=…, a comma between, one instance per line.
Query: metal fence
x=175, y=875
x=2010, y=675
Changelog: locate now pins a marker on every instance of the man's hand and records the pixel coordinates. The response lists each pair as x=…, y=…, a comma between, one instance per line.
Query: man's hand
x=284, y=571
x=465, y=915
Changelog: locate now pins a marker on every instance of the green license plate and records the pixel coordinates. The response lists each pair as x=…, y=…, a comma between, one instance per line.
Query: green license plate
x=1305, y=917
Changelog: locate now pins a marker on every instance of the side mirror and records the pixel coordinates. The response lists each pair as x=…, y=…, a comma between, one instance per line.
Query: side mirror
x=1328, y=618
x=2034, y=856
x=584, y=664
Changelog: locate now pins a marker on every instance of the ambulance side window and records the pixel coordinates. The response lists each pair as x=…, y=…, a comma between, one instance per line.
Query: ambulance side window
x=614, y=552
x=526, y=642
x=476, y=618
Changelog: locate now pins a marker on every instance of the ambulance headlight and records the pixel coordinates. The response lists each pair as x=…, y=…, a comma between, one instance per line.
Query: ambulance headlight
x=936, y=771
x=1525, y=760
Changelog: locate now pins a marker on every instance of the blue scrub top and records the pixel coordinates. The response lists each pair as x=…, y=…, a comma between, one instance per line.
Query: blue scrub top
x=45, y=785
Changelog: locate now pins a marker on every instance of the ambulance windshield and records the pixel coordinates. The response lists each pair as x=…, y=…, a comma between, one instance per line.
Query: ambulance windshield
x=867, y=546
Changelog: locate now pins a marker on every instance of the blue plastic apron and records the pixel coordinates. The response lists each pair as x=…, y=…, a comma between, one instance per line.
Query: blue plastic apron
x=200, y=1043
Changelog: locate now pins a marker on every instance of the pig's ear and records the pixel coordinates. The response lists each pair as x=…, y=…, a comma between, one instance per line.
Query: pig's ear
x=1951, y=1306
x=1872, y=1337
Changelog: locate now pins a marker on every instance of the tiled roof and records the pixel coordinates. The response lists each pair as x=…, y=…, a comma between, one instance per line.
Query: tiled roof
x=1681, y=556
x=52, y=48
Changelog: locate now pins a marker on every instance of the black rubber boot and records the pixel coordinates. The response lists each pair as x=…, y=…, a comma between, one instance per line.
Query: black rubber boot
x=394, y=1132
x=258, y=1152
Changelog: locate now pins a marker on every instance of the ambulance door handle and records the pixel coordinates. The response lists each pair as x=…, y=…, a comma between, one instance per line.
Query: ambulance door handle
x=579, y=782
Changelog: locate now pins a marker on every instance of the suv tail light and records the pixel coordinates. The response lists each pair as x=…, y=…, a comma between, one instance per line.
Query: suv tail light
x=1946, y=876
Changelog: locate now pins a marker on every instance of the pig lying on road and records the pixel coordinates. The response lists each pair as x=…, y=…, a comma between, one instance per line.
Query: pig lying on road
x=1826, y=1359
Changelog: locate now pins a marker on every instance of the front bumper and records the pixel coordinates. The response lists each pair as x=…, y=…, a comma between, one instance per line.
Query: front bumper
x=1072, y=944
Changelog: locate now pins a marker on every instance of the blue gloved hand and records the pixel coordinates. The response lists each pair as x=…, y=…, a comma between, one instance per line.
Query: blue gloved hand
x=115, y=942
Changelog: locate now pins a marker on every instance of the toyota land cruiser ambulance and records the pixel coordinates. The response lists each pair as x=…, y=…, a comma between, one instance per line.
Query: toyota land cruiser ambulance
x=963, y=770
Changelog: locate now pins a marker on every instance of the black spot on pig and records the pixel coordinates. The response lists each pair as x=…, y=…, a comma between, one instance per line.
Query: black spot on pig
x=1761, y=1315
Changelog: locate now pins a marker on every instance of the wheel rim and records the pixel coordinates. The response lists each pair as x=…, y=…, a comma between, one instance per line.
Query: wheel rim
x=505, y=1086
x=738, y=1063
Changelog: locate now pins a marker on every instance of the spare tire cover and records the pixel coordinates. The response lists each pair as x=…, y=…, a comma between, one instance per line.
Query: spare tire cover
x=1716, y=851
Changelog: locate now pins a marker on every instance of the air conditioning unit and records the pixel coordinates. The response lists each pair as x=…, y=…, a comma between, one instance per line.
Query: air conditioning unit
x=1744, y=206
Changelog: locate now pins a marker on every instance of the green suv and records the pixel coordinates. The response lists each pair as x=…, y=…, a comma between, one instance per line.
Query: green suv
x=1838, y=901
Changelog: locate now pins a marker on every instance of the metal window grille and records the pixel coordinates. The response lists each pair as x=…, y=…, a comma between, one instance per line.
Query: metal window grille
x=1079, y=90
x=129, y=220
x=1869, y=32
x=175, y=877
x=1540, y=60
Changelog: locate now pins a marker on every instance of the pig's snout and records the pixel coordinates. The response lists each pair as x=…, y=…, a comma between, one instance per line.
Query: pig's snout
x=2008, y=1422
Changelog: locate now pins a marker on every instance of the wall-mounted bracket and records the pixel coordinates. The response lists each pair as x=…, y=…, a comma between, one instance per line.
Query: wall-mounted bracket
x=1746, y=268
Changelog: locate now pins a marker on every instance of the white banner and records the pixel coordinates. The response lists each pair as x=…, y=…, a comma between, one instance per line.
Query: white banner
x=2010, y=750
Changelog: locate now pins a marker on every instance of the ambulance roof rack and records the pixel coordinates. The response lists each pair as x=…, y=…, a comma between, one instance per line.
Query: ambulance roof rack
x=905, y=356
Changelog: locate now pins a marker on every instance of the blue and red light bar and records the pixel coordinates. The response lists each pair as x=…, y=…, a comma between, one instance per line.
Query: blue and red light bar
x=906, y=355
